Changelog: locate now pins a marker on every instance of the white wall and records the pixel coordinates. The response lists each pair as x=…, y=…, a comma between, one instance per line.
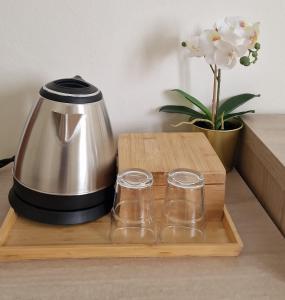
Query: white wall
x=130, y=50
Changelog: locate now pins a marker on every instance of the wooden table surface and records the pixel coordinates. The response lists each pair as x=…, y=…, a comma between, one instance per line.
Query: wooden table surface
x=259, y=273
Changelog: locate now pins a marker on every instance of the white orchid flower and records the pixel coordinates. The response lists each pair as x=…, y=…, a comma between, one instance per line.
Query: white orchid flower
x=252, y=34
x=230, y=29
x=193, y=44
x=236, y=31
x=208, y=38
x=230, y=39
x=216, y=50
x=226, y=55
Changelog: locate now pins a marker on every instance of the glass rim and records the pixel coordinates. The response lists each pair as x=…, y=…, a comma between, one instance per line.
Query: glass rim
x=197, y=183
x=124, y=182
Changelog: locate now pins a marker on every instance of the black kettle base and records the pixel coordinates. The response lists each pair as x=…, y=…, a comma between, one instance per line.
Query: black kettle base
x=55, y=216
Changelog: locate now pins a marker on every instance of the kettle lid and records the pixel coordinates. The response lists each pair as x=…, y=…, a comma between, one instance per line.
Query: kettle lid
x=71, y=90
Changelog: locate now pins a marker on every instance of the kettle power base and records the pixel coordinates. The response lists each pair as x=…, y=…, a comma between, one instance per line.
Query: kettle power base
x=24, y=239
x=55, y=216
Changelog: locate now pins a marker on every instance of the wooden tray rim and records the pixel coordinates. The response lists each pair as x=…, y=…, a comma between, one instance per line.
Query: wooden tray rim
x=12, y=253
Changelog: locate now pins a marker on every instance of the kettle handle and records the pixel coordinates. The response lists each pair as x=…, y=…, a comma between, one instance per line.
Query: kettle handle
x=78, y=77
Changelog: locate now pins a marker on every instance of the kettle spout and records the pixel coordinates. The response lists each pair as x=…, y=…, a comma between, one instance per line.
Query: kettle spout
x=66, y=125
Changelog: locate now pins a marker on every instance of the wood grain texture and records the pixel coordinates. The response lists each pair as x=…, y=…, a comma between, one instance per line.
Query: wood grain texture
x=261, y=162
x=5, y=184
x=91, y=251
x=7, y=225
x=25, y=239
x=231, y=228
x=160, y=153
x=270, y=129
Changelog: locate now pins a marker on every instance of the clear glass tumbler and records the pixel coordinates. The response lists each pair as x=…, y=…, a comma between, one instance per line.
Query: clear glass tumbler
x=183, y=209
x=132, y=212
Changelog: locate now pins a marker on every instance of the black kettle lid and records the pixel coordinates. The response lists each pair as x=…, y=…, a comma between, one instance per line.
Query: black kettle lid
x=71, y=90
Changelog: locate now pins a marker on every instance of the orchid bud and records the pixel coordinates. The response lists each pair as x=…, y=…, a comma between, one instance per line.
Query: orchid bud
x=257, y=46
x=245, y=61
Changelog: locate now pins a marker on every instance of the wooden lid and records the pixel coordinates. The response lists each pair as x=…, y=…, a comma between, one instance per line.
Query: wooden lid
x=160, y=153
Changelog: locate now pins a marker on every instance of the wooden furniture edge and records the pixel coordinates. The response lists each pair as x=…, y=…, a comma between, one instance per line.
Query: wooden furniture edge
x=264, y=173
x=262, y=151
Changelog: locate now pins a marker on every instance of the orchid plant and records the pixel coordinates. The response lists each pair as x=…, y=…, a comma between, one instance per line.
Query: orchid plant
x=230, y=40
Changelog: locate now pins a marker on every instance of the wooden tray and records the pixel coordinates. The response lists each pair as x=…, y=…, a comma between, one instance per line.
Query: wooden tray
x=22, y=239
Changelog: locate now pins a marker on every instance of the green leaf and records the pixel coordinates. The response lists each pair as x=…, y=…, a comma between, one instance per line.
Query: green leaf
x=233, y=115
x=232, y=103
x=195, y=101
x=237, y=114
x=182, y=110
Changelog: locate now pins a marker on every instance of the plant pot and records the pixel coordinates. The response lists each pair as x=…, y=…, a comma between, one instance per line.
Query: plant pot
x=224, y=142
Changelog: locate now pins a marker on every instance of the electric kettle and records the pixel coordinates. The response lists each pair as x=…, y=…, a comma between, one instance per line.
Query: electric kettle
x=64, y=168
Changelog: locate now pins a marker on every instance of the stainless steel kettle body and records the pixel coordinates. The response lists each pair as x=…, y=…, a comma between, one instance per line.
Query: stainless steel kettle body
x=65, y=166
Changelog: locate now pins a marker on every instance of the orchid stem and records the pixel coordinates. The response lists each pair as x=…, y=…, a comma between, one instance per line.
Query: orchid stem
x=218, y=94
x=214, y=101
x=213, y=70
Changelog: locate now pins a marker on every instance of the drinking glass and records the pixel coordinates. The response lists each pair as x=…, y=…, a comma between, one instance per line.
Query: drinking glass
x=132, y=212
x=183, y=208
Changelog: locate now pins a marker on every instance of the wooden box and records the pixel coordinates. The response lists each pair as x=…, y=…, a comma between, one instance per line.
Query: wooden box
x=160, y=153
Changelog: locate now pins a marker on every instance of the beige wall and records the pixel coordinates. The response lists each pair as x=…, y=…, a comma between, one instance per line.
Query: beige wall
x=130, y=50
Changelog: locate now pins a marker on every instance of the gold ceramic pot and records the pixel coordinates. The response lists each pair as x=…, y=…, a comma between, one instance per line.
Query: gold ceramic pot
x=224, y=142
